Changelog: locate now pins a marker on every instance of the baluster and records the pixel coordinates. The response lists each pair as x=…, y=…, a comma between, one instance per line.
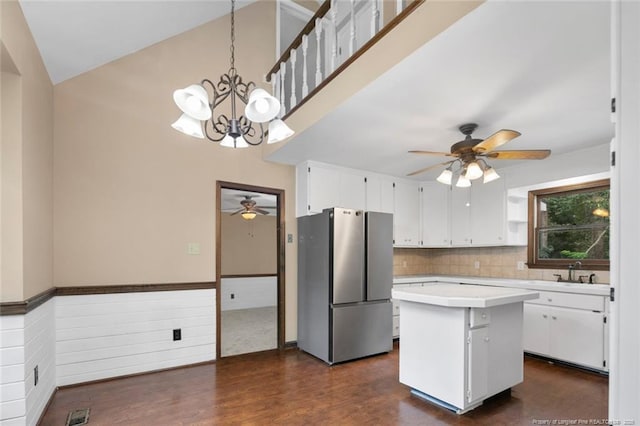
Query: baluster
x=275, y=87
x=318, y=35
x=334, y=24
x=305, y=45
x=375, y=18
x=352, y=34
x=399, y=4
x=283, y=101
x=293, y=78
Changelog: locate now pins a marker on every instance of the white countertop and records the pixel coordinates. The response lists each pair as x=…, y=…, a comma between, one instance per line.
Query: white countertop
x=456, y=295
x=596, y=289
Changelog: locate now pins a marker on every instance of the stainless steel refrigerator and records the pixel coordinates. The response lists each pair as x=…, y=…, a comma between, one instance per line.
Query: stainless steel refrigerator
x=345, y=274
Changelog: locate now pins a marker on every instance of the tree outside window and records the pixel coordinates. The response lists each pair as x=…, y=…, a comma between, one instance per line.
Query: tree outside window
x=569, y=224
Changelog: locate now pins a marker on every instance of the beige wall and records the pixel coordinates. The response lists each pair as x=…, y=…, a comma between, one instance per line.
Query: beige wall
x=248, y=246
x=27, y=162
x=130, y=192
x=495, y=262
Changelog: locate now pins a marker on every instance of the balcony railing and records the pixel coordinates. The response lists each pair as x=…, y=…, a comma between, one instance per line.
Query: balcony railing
x=338, y=33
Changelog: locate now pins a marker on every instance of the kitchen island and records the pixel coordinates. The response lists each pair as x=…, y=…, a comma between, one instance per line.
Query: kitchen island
x=461, y=344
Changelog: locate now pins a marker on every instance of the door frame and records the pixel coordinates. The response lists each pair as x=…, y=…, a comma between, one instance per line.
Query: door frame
x=280, y=255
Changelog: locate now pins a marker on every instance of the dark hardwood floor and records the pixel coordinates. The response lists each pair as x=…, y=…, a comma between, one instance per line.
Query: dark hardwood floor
x=294, y=388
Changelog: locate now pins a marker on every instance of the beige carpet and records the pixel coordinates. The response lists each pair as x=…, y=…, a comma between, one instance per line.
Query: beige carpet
x=248, y=330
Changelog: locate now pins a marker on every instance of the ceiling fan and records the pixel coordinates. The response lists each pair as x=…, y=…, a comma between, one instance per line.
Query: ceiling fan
x=470, y=153
x=249, y=209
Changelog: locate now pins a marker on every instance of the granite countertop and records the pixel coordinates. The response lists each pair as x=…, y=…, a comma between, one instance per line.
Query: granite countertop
x=467, y=296
x=595, y=289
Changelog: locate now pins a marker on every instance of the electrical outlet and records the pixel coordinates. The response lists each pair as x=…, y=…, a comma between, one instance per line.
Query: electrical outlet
x=177, y=334
x=233, y=296
x=289, y=238
x=35, y=376
x=520, y=265
x=476, y=264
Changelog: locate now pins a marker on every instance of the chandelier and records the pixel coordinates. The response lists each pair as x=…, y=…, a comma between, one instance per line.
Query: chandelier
x=467, y=170
x=199, y=118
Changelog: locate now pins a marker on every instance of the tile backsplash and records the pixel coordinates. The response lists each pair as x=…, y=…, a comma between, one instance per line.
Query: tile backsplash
x=495, y=262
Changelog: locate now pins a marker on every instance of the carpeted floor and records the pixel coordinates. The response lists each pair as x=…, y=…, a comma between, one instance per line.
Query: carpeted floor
x=248, y=330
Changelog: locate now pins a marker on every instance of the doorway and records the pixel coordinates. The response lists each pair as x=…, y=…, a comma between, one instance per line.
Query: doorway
x=249, y=269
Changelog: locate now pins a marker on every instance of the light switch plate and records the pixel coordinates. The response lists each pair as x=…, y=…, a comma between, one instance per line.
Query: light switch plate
x=520, y=265
x=193, y=248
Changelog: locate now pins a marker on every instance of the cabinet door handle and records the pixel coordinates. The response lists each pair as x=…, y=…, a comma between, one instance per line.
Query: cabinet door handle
x=553, y=317
x=549, y=300
x=484, y=316
x=544, y=315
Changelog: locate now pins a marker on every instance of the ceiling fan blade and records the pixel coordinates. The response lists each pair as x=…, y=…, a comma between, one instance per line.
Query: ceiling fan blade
x=531, y=154
x=257, y=210
x=495, y=140
x=448, y=154
x=236, y=212
x=417, y=172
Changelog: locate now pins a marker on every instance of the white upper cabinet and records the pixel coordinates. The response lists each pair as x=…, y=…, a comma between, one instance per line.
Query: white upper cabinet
x=436, y=201
x=320, y=187
x=488, y=208
x=379, y=194
x=478, y=214
x=461, y=216
x=406, y=221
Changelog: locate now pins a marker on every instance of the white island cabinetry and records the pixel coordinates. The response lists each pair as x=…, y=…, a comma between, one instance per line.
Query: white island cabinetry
x=460, y=343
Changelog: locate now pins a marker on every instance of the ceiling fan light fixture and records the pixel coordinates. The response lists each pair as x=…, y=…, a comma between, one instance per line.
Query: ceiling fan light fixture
x=473, y=171
x=463, y=182
x=490, y=175
x=248, y=215
x=445, y=177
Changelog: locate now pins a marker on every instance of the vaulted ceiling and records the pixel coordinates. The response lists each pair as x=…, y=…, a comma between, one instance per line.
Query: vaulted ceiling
x=539, y=67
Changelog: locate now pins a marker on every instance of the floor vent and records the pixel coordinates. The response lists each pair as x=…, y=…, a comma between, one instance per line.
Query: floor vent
x=78, y=417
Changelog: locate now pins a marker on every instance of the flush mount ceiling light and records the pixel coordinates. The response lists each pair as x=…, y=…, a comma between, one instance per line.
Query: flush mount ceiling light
x=199, y=114
x=469, y=163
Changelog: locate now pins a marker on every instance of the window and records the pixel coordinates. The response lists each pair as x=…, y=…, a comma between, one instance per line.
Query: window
x=569, y=224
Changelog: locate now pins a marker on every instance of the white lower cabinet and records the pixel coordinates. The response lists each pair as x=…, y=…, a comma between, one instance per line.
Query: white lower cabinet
x=574, y=333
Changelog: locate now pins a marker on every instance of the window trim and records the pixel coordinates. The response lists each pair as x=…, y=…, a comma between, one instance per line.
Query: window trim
x=532, y=261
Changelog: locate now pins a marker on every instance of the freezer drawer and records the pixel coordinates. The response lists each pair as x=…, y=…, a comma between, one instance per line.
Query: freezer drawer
x=360, y=330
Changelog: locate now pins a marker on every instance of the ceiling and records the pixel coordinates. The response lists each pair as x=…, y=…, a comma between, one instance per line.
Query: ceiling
x=231, y=200
x=77, y=36
x=539, y=67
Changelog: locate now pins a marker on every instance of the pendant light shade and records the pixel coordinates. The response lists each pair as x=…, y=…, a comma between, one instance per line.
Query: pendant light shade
x=278, y=131
x=262, y=107
x=193, y=101
x=473, y=171
x=231, y=142
x=189, y=126
x=490, y=175
x=445, y=177
x=463, y=182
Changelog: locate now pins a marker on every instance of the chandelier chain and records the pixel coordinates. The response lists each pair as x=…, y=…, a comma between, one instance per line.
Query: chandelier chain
x=232, y=70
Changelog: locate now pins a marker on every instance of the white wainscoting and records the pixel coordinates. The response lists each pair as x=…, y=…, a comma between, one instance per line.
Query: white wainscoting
x=248, y=292
x=26, y=341
x=103, y=336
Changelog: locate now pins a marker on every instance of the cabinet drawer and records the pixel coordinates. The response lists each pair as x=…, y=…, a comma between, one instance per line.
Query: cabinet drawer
x=478, y=317
x=570, y=300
